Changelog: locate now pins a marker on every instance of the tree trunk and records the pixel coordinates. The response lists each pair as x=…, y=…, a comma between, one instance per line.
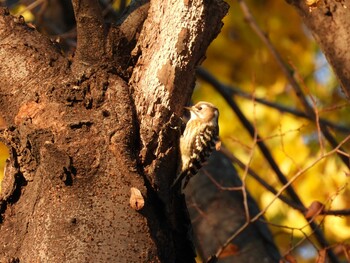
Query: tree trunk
x=83, y=132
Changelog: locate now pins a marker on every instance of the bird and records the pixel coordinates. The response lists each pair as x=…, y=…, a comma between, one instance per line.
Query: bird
x=198, y=141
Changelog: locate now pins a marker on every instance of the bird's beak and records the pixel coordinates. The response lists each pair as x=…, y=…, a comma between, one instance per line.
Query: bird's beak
x=192, y=110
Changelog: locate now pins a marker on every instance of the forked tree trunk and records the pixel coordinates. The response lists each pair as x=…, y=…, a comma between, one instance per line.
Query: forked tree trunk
x=82, y=133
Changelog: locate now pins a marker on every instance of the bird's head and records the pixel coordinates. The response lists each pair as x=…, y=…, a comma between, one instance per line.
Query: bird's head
x=204, y=111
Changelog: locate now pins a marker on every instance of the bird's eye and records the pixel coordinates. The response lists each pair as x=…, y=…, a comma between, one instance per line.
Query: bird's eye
x=200, y=108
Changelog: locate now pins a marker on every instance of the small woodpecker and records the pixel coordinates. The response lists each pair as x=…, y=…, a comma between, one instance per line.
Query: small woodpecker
x=198, y=140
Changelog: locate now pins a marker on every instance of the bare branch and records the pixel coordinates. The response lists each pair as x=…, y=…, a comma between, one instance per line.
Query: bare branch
x=340, y=212
x=133, y=17
x=90, y=35
x=261, y=181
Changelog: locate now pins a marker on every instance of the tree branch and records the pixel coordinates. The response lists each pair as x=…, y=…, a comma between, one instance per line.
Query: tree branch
x=267, y=186
x=90, y=36
x=123, y=36
x=133, y=18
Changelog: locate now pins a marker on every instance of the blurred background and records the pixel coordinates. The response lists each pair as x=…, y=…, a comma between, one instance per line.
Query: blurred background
x=241, y=60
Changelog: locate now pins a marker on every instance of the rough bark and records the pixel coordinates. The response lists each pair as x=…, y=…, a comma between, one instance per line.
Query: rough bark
x=329, y=23
x=162, y=82
x=81, y=134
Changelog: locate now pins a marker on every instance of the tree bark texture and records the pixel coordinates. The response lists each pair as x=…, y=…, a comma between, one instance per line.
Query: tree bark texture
x=329, y=23
x=83, y=131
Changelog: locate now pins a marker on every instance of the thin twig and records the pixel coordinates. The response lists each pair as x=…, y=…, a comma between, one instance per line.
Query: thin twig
x=218, y=185
x=299, y=242
x=261, y=181
x=90, y=36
